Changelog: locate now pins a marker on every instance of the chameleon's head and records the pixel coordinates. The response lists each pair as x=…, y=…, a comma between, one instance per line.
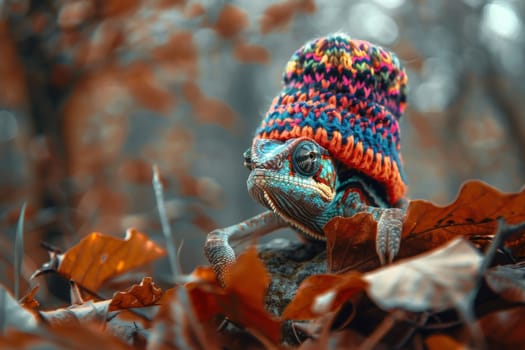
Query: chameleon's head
x=294, y=178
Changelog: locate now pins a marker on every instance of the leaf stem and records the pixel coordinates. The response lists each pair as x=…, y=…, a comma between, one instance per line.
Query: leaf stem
x=19, y=251
x=166, y=230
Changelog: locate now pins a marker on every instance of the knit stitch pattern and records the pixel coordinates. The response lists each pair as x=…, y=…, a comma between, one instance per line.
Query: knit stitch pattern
x=347, y=95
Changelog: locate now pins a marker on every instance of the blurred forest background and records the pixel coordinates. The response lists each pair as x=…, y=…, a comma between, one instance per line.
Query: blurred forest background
x=93, y=92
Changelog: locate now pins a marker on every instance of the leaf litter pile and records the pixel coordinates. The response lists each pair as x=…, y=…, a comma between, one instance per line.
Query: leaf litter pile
x=458, y=283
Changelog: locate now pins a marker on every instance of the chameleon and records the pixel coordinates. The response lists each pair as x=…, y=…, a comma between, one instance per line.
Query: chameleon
x=328, y=146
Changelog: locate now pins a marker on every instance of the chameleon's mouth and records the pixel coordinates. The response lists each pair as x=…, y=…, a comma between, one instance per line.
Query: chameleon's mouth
x=264, y=179
x=262, y=187
x=294, y=223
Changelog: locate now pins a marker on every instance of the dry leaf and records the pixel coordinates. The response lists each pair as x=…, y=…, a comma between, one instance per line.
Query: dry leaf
x=146, y=293
x=147, y=89
x=508, y=282
x=112, y=8
x=504, y=329
x=194, y=10
x=208, y=109
x=350, y=243
x=248, y=53
x=437, y=280
x=28, y=301
x=231, y=21
x=136, y=170
x=76, y=314
x=473, y=214
x=98, y=257
x=242, y=301
x=213, y=110
x=277, y=17
x=75, y=13
x=174, y=326
x=13, y=89
x=442, y=341
x=320, y=294
x=179, y=52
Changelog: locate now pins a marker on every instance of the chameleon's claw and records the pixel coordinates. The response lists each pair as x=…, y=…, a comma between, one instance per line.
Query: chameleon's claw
x=388, y=239
x=218, y=250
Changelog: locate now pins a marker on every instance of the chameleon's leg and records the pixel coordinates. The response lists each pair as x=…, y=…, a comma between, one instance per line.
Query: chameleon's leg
x=389, y=230
x=218, y=250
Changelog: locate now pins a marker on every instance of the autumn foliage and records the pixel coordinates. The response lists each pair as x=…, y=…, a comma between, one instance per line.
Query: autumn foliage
x=453, y=268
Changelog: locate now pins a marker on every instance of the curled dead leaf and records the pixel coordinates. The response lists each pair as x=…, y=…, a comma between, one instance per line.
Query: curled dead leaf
x=321, y=294
x=146, y=293
x=437, y=280
x=28, y=301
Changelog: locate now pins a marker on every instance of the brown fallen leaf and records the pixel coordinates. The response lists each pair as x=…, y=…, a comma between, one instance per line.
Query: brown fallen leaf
x=208, y=109
x=250, y=53
x=99, y=257
x=442, y=341
x=278, y=16
x=242, y=301
x=76, y=314
x=350, y=243
x=508, y=282
x=473, y=215
x=146, y=293
x=28, y=301
x=437, y=280
x=320, y=294
x=231, y=21
x=175, y=325
x=504, y=329
x=146, y=88
x=13, y=88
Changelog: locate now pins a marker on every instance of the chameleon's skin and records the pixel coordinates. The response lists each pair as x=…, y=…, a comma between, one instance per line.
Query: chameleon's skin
x=304, y=187
x=328, y=146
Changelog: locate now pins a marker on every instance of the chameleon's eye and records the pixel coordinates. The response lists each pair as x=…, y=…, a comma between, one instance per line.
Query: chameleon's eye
x=307, y=158
x=247, y=155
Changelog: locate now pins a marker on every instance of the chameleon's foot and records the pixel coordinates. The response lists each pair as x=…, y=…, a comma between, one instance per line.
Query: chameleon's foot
x=218, y=250
x=389, y=229
x=219, y=253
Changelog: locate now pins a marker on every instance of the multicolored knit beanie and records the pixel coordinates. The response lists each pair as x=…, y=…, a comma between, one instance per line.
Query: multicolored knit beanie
x=347, y=95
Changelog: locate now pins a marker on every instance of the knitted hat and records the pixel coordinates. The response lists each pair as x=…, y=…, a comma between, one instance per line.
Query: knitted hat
x=348, y=96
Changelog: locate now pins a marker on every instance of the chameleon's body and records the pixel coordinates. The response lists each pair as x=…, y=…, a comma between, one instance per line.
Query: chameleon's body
x=329, y=146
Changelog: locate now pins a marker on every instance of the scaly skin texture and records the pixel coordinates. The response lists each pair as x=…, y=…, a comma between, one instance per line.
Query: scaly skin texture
x=304, y=187
x=328, y=146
